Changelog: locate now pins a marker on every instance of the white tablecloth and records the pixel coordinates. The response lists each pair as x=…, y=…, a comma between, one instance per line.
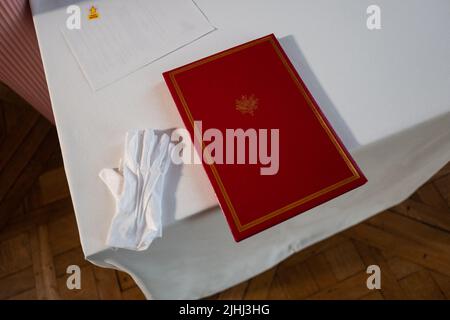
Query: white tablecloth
x=386, y=93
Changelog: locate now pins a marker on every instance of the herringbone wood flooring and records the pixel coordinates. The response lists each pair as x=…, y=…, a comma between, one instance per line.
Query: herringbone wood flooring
x=39, y=238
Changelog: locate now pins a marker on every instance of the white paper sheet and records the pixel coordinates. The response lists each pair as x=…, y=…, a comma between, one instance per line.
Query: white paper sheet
x=127, y=35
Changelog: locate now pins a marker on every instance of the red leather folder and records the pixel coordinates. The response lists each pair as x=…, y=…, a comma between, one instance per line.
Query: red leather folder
x=254, y=86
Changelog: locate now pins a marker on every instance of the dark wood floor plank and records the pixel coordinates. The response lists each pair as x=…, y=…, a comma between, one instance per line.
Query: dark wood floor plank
x=402, y=268
x=277, y=290
x=125, y=280
x=53, y=186
x=344, y=260
x=236, y=292
x=321, y=271
x=441, y=173
x=430, y=195
x=390, y=288
x=259, y=286
x=436, y=216
x=297, y=281
x=37, y=216
x=26, y=295
x=47, y=266
x=63, y=234
x=443, y=185
x=443, y=282
x=65, y=259
x=413, y=230
x=17, y=283
x=13, y=111
x=133, y=293
x=420, y=286
x=31, y=171
x=2, y=125
x=15, y=254
x=351, y=288
x=88, y=289
x=23, y=156
x=313, y=250
x=13, y=141
x=407, y=249
x=107, y=285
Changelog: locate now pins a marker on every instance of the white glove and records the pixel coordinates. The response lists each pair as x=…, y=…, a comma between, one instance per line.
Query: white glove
x=138, y=189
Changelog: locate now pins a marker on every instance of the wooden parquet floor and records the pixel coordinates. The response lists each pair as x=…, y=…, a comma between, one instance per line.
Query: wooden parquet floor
x=39, y=238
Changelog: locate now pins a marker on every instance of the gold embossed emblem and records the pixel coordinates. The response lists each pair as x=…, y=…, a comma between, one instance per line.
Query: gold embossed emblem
x=247, y=104
x=93, y=14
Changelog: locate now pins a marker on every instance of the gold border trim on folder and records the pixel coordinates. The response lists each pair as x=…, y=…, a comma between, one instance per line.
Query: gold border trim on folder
x=242, y=227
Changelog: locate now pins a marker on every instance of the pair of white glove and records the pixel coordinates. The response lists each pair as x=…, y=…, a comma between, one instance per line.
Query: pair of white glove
x=138, y=189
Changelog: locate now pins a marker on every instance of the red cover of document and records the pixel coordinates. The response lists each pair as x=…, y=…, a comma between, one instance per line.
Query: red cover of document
x=254, y=86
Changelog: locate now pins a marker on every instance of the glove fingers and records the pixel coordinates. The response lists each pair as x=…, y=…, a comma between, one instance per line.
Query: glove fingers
x=138, y=191
x=113, y=180
x=148, y=149
x=133, y=149
x=162, y=153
